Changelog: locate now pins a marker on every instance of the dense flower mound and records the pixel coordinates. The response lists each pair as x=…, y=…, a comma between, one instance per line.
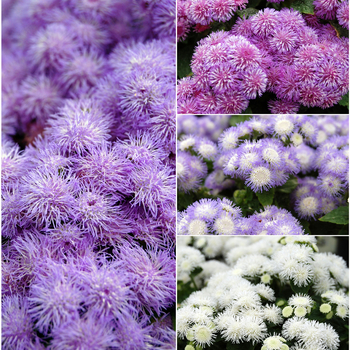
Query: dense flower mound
x=221, y=217
x=88, y=175
x=304, y=156
x=302, y=63
x=199, y=14
x=274, y=292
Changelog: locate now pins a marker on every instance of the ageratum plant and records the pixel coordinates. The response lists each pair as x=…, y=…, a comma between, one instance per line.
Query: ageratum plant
x=287, y=57
x=271, y=293
x=291, y=169
x=88, y=175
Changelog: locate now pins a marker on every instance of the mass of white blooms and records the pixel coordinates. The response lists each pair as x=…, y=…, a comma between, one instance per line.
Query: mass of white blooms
x=269, y=293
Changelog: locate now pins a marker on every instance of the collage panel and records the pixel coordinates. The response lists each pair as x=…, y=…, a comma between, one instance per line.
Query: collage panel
x=263, y=175
x=263, y=57
x=268, y=293
x=88, y=176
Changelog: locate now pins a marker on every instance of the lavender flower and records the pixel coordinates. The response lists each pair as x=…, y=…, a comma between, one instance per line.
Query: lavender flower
x=78, y=151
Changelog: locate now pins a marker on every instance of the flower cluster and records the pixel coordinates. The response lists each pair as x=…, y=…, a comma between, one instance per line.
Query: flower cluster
x=303, y=63
x=221, y=217
x=88, y=175
x=306, y=156
x=200, y=14
x=278, y=293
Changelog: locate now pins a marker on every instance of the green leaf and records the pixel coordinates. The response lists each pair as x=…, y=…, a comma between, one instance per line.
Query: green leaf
x=303, y=6
x=253, y=3
x=297, y=289
x=197, y=270
x=247, y=12
x=266, y=197
x=338, y=216
x=184, y=57
x=248, y=111
x=238, y=196
x=184, y=200
x=289, y=186
x=238, y=119
x=345, y=100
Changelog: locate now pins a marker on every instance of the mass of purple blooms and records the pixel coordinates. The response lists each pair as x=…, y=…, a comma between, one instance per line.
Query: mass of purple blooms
x=222, y=217
x=88, y=174
x=199, y=15
x=301, y=61
x=262, y=153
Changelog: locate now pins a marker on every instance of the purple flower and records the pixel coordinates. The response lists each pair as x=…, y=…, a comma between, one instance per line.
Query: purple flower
x=264, y=22
x=153, y=188
x=95, y=211
x=82, y=71
x=54, y=298
x=84, y=333
x=107, y=167
x=152, y=276
x=283, y=107
x=106, y=291
x=77, y=125
x=50, y=47
x=48, y=197
x=40, y=97
x=17, y=326
x=343, y=14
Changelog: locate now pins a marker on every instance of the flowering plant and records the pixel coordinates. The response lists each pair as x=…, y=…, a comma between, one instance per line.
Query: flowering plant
x=269, y=293
x=294, y=169
x=285, y=56
x=88, y=175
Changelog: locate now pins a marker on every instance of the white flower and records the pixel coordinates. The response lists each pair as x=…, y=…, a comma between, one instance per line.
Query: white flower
x=265, y=291
x=300, y=311
x=197, y=227
x=187, y=259
x=184, y=317
x=302, y=275
x=225, y=225
x=207, y=150
x=233, y=329
x=271, y=155
x=293, y=328
x=283, y=126
x=287, y=311
x=342, y=311
x=187, y=142
x=297, y=139
x=300, y=300
x=309, y=206
x=273, y=314
x=260, y=176
x=203, y=334
x=308, y=129
x=254, y=329
x=274, y=343
x=325, y=308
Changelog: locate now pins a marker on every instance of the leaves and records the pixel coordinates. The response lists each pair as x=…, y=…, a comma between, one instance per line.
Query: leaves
x=266, y=197
x=345, y=100
x=338, y=216
x=184, y=57
x=289, y=186
x=238, y=119
x=297, y=289
x=303, y=6
x=246, y=13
